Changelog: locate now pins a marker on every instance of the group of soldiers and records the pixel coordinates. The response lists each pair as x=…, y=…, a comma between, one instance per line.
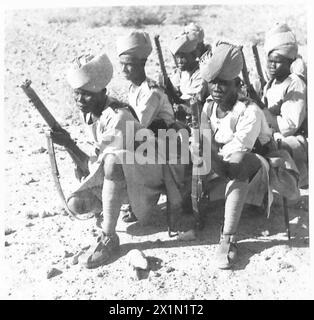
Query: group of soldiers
x=242, y=134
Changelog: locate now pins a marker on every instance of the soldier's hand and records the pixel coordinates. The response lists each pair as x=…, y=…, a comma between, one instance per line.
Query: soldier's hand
x=61, y=137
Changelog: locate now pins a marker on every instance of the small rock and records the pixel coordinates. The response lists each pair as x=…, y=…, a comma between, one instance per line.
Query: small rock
x=295, y=220
x=45, y=214
x=157, y=274
x=137, y=259
x=187, y=236
x=32, y=180
x=8, y=231
x=29, y=224
x=6, y=244
x=40, y=150
x=170, y=269
x=265, y=233
x=68, y=254
x=31, y=215
x=53, y=272
x=267, y=258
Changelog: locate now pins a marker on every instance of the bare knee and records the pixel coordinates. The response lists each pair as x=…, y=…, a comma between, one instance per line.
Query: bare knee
x=243, y=166
x=77, y=205
x=113, y=169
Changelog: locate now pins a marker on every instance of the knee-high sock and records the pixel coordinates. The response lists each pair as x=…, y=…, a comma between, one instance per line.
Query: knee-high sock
x=236, y=192
x=113, y=193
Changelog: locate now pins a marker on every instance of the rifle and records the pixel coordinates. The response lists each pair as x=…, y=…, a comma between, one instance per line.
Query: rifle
x=197, y=193
x=285, y=202
x=249, y=88
x=79, y=157
x=258, y=65
x=170, y=91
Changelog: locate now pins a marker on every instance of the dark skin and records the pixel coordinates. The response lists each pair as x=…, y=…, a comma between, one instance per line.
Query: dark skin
x=186, y=61
x=87, y=102
x=278, y=67
x=225, y=94
x=134, y=72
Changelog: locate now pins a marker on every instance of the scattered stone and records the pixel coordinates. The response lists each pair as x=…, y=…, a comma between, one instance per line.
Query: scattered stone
x=68, y=254
x=287, y=266
x=53, y=272
x=45, y=214
x=32, y=180
x=8, y=231
x=265, y=233
x=31, y=215
x=186, y=236
x=170, y=269
x=102, y=273
x=137, y=259
x=29, y=224
x=40, y=150
x=295, y=220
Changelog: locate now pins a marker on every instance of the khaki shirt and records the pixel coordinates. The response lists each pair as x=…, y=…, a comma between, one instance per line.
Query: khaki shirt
x=189, y=84
x=287, y=103
x=150, y=103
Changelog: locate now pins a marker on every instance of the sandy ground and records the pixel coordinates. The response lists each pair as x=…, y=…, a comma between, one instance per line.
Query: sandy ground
x=41, y=236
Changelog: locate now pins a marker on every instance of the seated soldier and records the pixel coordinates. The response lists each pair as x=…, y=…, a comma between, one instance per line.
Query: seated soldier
x=196, y=31
x=186, y=79
x=148, y=100
x=113, y=127
x=236, y=126
x=285, y=96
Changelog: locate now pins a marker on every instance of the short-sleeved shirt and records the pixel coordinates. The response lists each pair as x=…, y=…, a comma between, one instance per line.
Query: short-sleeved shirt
x=189, y=84
x=150, y=103
x=239, y=129
x=287, y=102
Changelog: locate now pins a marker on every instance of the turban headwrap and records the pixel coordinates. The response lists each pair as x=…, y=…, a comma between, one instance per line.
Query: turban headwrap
x=134, y=47
x=194, y=31
x=280, y=39
x=183, y=43
x=90, y=73
x=225, y=63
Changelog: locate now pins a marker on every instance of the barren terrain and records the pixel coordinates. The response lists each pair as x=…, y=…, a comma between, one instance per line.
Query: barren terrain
x=40, y=236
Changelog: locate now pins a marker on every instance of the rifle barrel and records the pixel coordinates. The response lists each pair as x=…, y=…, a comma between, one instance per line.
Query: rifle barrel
x=39, y=105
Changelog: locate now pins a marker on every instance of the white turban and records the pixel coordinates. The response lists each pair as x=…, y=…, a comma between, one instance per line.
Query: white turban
x=280, y=39
x=136, y=45
x=183, y=43
x=90, y=73
x=225, y=63
x=194, y=31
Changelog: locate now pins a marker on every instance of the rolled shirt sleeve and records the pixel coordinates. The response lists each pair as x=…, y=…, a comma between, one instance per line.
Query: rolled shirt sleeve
x=246, y=132
x=287, y=105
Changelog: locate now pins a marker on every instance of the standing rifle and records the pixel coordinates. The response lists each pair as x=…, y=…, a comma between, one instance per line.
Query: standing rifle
x=249, y=88
x=79, y=157
x=258, y=65
x=197, y=193
x=170, y=91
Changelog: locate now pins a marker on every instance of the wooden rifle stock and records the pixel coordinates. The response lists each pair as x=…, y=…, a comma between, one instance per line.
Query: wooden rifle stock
x=258, y=65
x=250, y=90
x=170, y=91
x=197, y=193
x=79, y=157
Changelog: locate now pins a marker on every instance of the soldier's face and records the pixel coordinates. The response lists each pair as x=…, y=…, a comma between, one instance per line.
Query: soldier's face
x=88, y=101
x=131, y=71
x=278, y=66
x=185, y=60
x=223, y=91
